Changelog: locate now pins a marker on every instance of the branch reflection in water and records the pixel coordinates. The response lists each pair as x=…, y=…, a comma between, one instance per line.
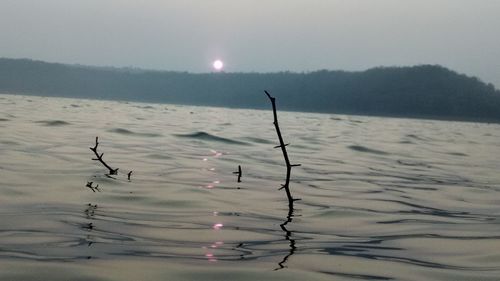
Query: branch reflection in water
x=288, y=237
x=89, y=213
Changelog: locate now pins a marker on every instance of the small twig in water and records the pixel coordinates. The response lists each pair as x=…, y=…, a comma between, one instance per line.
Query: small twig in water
x=99, y=158
x=129, y=174
x=93, y=188
x=238, y=173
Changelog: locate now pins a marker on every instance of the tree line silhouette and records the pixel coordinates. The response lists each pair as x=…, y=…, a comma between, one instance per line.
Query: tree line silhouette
x=429, y=91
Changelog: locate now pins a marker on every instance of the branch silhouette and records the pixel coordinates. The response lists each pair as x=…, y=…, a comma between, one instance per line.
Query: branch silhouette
x=283, y=146
x=99, y=158
x=238, y=173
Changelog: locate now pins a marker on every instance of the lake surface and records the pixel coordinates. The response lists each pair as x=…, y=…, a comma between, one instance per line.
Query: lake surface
x=382, y=198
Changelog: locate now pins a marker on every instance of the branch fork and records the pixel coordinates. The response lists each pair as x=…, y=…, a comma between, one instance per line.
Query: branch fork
x=99, y=158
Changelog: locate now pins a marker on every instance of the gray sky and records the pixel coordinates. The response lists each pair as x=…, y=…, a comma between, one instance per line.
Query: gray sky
x=257, y=35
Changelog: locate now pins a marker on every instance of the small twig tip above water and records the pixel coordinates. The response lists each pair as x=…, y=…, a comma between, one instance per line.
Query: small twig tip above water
x=238, y=173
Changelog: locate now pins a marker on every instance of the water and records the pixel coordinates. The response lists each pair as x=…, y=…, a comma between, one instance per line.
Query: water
x=382, y=198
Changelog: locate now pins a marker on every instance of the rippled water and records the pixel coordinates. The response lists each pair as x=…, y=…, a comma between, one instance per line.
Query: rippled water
x=382, y=198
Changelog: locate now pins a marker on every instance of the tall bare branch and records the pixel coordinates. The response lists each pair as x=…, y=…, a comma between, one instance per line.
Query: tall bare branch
x=283, y=146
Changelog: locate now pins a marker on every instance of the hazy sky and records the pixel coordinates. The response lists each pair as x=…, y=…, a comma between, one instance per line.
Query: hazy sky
x=257, y=35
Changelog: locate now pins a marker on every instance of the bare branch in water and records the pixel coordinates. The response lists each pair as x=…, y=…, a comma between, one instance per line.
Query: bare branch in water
x=99, y=158
x=286, y=187
x=283, y=146
x=129, y=174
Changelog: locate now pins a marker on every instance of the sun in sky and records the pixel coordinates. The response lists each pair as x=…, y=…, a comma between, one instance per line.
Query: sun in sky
x=218, y=65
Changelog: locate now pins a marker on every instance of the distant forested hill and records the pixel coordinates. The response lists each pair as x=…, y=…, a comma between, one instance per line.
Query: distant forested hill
x=428, y=91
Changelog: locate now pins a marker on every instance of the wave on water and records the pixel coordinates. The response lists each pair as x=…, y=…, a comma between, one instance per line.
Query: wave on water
x=130, y=133
x=355, y=121
x=8, y=142
x=413, y=163
x=457, y=154
x=53, y=123
x=259, y=140
x=144, y=107
x=209, y=137
x=4, y=119
x=159, y=156
x=367, y=150
x=413, y=136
